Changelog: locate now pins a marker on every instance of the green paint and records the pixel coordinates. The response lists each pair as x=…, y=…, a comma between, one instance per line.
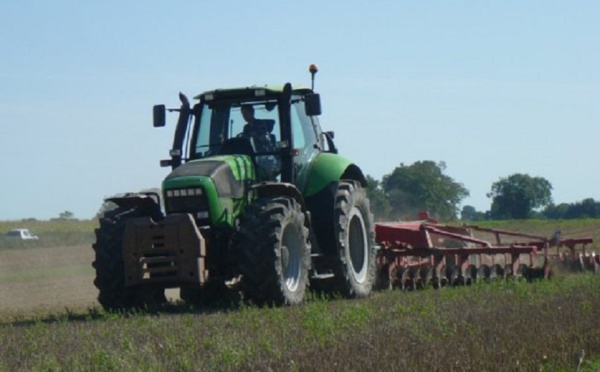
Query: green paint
x=222, y=210
x=241, y=166
x=215, y=203
x=325, y=169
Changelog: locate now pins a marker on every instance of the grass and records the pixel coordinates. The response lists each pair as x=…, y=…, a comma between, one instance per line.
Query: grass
x=54, y=233
x=503, y=326
x=583, y=228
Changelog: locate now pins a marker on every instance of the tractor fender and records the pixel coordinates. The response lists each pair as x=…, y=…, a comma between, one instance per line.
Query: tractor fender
x=329, y=168
x=148, y=202
x=273, y=189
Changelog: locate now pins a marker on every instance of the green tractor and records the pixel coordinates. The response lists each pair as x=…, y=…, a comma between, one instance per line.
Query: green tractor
x=258, y=203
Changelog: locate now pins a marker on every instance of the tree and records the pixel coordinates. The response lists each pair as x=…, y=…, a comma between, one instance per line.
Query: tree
x=380, y=207
x=469, y=213
x=423, y=186
x=587, y=208
x=518, y=195
x=556, y=212
x=66, y=215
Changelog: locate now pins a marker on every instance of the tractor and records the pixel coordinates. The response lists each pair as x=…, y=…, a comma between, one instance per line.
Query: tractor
x=269, y=214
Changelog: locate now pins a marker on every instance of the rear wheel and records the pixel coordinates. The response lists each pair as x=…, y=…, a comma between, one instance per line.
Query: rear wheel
x=355, y=267
x=274, y=252
x=110, y=269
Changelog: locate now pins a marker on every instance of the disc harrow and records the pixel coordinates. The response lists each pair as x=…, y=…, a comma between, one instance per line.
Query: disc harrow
x=415, y=254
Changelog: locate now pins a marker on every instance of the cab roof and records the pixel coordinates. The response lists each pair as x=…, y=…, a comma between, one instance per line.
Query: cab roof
x=249, y=91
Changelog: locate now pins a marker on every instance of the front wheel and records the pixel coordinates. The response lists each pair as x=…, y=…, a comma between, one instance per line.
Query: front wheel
x=274, y=252
x=355, y=267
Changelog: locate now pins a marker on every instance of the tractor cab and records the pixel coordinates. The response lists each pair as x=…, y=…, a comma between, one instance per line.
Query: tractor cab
x=277, y=127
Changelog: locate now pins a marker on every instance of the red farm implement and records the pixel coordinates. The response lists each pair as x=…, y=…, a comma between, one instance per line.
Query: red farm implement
x=418, y=253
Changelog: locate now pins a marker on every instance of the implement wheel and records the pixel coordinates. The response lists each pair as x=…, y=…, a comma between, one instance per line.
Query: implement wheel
x=110, y=270
x=274, y=252
x=355, y=267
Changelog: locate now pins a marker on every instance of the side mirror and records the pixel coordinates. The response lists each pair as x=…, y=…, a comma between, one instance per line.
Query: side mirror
x=158, y=115
x=312, y=104
x=330, y=144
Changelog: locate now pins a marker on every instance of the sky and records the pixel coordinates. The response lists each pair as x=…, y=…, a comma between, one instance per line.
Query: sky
x=491, y=88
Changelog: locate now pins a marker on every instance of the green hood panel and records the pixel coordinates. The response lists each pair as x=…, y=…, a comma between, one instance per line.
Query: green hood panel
x=325, y=169
x=228, y=173
x=224, y=179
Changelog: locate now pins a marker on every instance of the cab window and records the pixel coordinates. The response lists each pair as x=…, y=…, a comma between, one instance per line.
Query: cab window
x=304, y=138
x=218, y=123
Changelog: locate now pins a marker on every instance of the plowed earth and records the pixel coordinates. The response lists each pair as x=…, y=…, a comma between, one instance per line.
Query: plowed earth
x=46, y=280
x=49, y=281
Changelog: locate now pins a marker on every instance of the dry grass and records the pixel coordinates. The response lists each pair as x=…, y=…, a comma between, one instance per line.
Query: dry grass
x=51, y=233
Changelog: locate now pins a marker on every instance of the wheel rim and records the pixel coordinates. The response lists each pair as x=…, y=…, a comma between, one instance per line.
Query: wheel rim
x=291, y=257
x=358, y=249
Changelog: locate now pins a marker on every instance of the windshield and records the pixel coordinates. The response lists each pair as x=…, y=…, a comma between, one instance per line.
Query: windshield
x=248, y=128
x=258, y=122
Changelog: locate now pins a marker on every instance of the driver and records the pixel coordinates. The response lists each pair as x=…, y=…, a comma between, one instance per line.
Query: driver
x=255, y=127
x=259, y=132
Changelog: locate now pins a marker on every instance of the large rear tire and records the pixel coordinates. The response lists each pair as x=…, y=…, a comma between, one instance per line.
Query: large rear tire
x=355, y=267
x=110, y=269
x=274, y=252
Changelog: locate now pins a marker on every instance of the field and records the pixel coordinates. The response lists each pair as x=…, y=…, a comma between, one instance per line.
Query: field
x=50, y=320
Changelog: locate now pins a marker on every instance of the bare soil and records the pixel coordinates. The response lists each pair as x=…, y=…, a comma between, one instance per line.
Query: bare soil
x=43, y=280
x=49, y=280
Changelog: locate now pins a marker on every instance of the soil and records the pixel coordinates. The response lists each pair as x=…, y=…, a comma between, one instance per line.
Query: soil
x=48, y=281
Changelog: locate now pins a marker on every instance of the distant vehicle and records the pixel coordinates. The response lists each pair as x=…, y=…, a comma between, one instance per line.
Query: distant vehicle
x=21, y=234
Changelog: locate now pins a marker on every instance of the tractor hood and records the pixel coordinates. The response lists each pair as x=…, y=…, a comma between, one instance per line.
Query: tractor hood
x=230, y=174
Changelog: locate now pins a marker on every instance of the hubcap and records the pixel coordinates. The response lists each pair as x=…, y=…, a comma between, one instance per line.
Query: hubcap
x=358, y=249
x=291, y=257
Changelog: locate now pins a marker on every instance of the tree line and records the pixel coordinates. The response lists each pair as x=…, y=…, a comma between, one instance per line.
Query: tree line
x=423, y=186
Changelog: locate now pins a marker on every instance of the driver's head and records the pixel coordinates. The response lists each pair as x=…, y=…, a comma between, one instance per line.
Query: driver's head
x=248, y=112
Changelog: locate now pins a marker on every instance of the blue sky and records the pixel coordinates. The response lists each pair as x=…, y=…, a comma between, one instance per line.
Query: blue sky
x=491, y=88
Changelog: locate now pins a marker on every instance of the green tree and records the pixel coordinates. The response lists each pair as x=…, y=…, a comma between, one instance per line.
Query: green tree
x=380, y=207
x=66, y=215
x=518, y=195
x=423, y=186
x=554, y=211
x=469, y=213
x=587, y=208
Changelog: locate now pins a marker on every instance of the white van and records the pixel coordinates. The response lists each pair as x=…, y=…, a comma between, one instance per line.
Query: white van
x=21, y=234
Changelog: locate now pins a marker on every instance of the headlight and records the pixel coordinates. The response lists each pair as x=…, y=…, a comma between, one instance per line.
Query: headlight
x=189, y=200
x=196, y=191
